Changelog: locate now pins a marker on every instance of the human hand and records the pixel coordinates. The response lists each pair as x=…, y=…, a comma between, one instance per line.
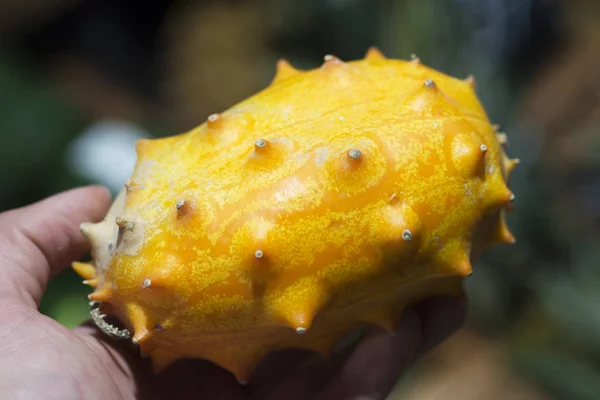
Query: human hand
x=41, y=359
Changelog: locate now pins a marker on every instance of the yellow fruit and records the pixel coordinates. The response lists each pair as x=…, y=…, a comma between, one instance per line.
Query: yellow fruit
x=334, y=197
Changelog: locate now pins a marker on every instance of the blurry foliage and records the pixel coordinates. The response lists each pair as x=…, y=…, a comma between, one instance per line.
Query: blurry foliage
x=35, y=126
x=536, y=67
x=467, y=367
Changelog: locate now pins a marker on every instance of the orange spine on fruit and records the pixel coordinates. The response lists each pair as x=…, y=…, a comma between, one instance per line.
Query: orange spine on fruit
x=336, y=196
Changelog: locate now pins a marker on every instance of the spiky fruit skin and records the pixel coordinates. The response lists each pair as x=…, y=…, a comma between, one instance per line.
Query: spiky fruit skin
x=334, y=197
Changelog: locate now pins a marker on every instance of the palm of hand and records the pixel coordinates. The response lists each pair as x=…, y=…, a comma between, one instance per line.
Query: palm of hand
x=43, y=359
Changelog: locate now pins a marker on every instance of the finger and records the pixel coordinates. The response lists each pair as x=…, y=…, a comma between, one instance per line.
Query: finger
x=40, y=240
x=197, y=379
x=133, y=375
x=287, y=377
x=300, y=374
x=297, y=381
x=440, y=318
x=374, y=367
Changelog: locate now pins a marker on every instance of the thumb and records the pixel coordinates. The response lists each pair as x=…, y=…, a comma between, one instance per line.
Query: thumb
x=40, y=240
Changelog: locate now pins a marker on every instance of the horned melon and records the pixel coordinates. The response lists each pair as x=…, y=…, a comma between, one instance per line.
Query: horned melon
x=334, y=197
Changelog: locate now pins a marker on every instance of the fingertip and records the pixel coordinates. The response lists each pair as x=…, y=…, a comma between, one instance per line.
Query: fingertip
x=98, y=195
x=41, y=239
x=83, y=204
x=100, y=191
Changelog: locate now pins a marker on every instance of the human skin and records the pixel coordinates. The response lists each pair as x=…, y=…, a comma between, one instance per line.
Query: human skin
x=43, y=359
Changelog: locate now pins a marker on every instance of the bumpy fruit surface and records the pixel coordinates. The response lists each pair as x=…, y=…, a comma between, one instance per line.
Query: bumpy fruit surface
x=334, y=197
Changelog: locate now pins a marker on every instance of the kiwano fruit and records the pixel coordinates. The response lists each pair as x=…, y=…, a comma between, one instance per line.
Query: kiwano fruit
x=335, y=197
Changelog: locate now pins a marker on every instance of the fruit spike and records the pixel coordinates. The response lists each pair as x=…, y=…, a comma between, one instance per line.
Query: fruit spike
x=500, y=232
x=429, y=83
x=415, y=60
x=284, y=71
x=331, y=60
x=374, y=54
x=214, y=121
x=91, y=282
x=336, y=196
x=511, y=164
x=261, y=146
x=462, y=265
x=183, y=207
x=102, y=295
x=502, y=138
x=354, y=154
x=124, y=225
x=471, y=81
x=85, y=270
x=469, y=155
x=131, y=186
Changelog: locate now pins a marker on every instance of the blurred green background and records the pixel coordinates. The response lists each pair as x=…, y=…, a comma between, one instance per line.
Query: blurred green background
x=81, y=81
